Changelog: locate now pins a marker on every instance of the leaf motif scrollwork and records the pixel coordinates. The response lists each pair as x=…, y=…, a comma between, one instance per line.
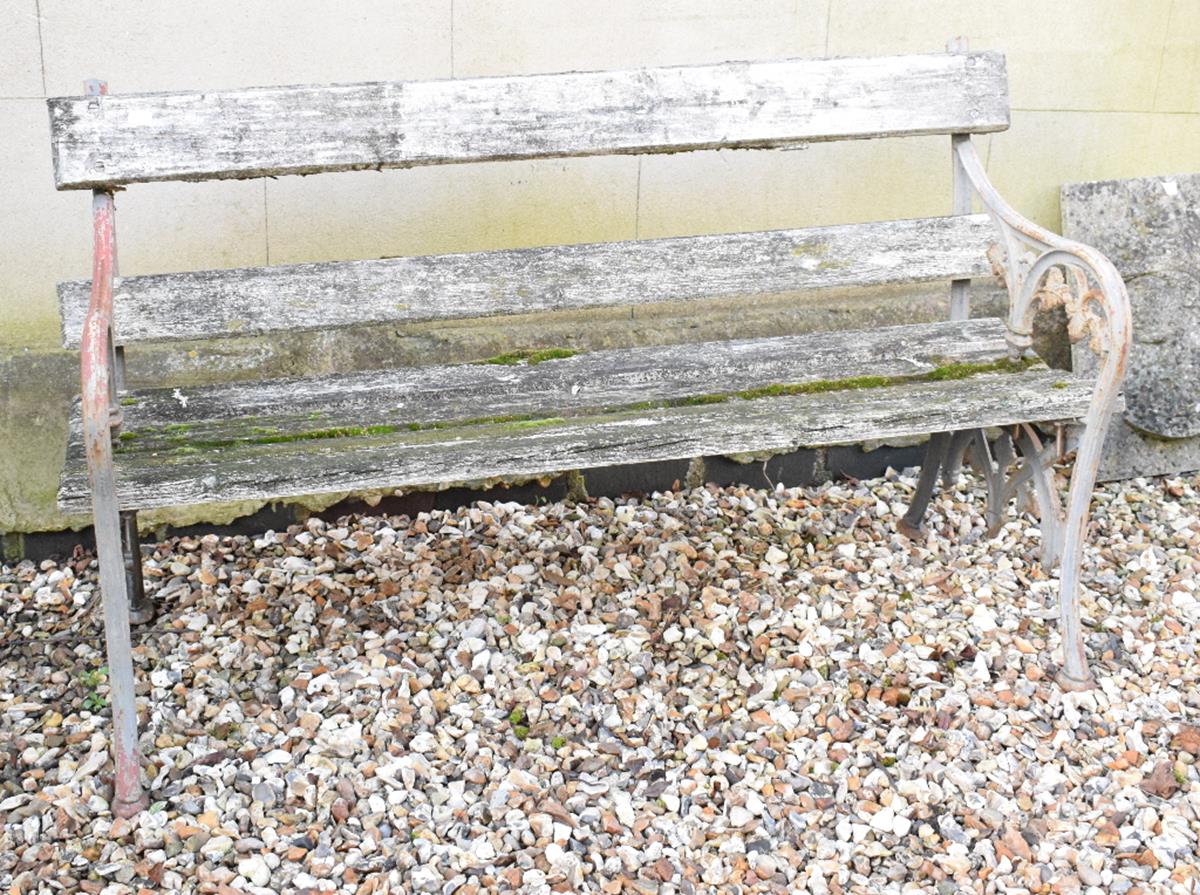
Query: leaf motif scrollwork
x=1062, y=285
x=1080, y=303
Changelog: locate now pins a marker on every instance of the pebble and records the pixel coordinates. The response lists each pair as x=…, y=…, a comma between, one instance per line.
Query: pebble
x=216, y=846
x=721, y=689
x=264, y=794
x=255, y=870
x=739, y=816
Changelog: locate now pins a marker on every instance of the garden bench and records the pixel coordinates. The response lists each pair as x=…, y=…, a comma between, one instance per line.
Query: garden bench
x=400, y=428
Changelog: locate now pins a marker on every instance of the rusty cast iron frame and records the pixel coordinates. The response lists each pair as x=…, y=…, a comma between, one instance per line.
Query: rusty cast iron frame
x=1040, y=270
x=1043, y=270
x=101, y=374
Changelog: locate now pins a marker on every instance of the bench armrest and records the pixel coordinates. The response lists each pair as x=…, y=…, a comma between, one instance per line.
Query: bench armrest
x=1043, y=270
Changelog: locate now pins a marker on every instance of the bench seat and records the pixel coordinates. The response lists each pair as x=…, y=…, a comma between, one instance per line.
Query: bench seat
x=547, y=413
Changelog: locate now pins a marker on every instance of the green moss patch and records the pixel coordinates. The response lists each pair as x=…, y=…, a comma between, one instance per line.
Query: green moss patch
x=957, y=370
x=941, y=373
x=530, y=356
x=178, y=438
x=263, y=436
x=818, y=387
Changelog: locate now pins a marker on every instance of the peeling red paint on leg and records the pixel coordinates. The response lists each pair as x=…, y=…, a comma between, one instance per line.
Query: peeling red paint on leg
x=97, y=380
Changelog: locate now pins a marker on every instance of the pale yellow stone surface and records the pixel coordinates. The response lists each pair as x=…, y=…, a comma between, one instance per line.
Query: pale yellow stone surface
x=44, y=235
x=1179, y=79
x=370, y=214
x=1100, y=89
x=1037, y=154
x=20, y=54
x=47, y=235
x=824, y=183
x=572, y=35
x=1082, y=54
x=156, y=45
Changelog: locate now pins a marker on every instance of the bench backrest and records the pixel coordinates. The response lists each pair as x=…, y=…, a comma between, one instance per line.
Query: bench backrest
x=105, y=141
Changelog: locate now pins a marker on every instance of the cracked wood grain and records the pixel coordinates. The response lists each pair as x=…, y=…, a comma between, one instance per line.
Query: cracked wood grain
x=100, y=142
x=512, y=450
x=429, y=395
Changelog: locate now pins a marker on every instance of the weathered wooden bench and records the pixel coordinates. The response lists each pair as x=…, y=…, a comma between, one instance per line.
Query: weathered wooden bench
x=409, y=427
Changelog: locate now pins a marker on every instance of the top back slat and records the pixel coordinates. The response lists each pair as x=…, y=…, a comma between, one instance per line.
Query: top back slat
x=267, y=131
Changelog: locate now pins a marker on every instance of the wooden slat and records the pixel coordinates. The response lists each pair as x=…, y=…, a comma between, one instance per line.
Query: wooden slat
x=120, y=139
x=282, y=422
x=221, y=303
x=246, y=411
x=407, y=459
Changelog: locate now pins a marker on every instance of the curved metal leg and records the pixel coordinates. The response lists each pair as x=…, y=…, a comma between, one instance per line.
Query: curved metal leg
x=1075, y=674
x=1044, y=270
x=911, y=526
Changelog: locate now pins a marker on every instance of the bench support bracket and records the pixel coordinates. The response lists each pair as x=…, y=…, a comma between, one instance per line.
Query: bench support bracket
x=141, y=607
x=1015, y=466
x=1043, y=270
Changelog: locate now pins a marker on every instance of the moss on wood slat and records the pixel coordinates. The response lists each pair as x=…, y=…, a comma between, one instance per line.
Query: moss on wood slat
x=177, y=438
x=530, y=356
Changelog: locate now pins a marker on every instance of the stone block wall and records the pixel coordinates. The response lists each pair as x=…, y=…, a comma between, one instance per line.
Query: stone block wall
x=1099, y=90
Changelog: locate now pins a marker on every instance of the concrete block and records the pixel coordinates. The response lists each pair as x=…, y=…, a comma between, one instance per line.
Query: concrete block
x=456, y=208
x=146, y=45
x=576, y=35
x=1150, y=228
x=35, y=393
x=20, y=51
x=1101, y=55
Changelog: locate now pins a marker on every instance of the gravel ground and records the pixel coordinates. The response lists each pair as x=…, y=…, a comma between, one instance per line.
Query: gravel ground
x=723, y=690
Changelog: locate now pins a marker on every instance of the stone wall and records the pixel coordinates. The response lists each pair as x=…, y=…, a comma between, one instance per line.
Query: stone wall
x=1090, y=101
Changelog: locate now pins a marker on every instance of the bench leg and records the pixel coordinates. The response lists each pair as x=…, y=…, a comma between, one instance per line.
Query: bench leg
x=128, y=797
x=912, y=525
x=993, y=469
x=1075, y=675
x=959, y=443
x=141, y=607
x=99, y=371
